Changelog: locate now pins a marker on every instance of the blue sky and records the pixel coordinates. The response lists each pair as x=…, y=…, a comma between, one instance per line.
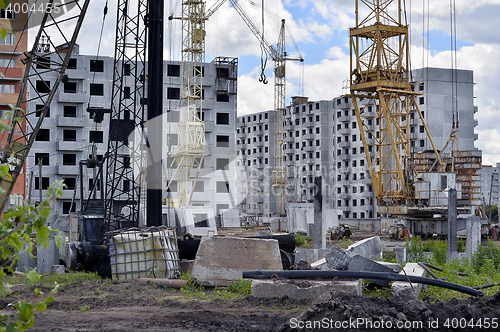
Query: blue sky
x=320, y=29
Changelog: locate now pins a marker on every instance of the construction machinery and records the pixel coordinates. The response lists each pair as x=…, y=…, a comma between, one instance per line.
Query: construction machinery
x=413, y=186
x=380, y=72
x=279, y=55
x=44, y=57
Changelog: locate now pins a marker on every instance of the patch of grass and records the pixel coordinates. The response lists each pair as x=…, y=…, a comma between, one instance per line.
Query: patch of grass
x=192, y=288
x=483, y=269
x=371, y=290
x=389, y=256
x=439, y=249
x=48, y=280
x=414, y=250
x=345, y=242
x=299, y=240
x=84, y=308
x=242, y=286
x=309, y=238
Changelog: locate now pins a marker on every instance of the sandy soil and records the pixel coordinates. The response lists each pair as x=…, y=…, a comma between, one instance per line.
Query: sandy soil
x=104, y=306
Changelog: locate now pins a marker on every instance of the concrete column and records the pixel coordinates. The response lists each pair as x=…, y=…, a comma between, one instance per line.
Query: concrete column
x=473, y=231
x=318, y=229
x=452, y=225
x=401, y=255
x=46, y=257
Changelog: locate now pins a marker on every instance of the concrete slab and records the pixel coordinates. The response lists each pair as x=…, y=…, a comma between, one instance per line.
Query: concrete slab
x=59, y=269
x=368, y=248
x=338, y=259
x=303, y=289
x=361, y=264
x=403, y=288
x=309, y=255
x=393, y=266
x=221, y=260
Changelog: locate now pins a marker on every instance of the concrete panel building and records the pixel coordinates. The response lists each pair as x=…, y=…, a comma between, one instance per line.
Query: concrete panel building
x=322, y=138
x=490, y=184
x=12, y=50
x=68, y=133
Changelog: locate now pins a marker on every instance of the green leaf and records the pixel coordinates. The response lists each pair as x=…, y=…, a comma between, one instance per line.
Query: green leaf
x=58, y=240
x=37, y=291
x=41, y=306
x=43, y=236
x=44, y=212
x=26, y=311
x=33, y=276
x=10, y=328
x=3, y=33
x=49, y=299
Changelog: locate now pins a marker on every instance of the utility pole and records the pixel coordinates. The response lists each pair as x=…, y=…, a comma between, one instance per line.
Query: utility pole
x=155, y=110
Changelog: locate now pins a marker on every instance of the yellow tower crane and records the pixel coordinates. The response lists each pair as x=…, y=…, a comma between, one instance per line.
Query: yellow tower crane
x=191, y=128
x=279, y=56
x=380, y=72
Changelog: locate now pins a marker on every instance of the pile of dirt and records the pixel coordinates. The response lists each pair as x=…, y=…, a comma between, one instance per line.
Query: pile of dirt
x=339, y=311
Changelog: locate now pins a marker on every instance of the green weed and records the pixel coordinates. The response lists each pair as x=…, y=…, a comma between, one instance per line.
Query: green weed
x=299, y=240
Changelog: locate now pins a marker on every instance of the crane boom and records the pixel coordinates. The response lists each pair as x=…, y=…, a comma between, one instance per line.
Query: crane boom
x=39, y=61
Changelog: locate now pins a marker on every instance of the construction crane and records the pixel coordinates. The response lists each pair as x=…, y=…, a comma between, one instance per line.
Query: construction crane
x=44, y=57
x=379, y=71
x=191, y=129
x=124, y=156
x=279, y=56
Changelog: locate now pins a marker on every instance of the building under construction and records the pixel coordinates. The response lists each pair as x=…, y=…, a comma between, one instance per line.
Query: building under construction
x=322, y=139
x=69, y=135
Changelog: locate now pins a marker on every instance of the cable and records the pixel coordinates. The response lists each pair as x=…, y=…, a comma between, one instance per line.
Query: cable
x=263, y=53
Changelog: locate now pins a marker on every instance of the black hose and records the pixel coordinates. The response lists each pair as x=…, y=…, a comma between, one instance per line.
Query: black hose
x=423, y=266
x=361, y=275
x=487, y=286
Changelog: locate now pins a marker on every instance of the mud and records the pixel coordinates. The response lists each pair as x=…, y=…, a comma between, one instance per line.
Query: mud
x=104, y=306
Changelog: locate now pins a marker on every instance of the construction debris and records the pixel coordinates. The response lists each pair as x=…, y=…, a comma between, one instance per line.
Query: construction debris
x=406, y=289
x=221, y=260
x=303, y=289
x=368, y=248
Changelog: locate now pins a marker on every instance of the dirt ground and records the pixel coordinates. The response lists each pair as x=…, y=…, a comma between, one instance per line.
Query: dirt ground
x=104, y=306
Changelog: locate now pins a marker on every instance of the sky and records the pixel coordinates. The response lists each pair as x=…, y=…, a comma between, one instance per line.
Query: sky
x=318, y=30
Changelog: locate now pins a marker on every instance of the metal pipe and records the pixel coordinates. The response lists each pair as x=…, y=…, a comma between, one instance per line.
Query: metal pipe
x=361, y=275
x=155, y=110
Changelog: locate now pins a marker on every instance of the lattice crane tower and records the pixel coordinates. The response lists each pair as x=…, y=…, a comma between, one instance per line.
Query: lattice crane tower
x=379, y=48
x=191, y=128
x=279, y=172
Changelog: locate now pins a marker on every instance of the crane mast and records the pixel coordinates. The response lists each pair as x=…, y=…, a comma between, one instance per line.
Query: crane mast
x=279, y=172
x=380, y=72
x=191, y=128
x=123, y=188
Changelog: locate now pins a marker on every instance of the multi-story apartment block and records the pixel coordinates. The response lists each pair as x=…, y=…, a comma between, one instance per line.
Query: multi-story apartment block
x=12, y=69
x=69, y=135
x=322, y=138
x=490, y=184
